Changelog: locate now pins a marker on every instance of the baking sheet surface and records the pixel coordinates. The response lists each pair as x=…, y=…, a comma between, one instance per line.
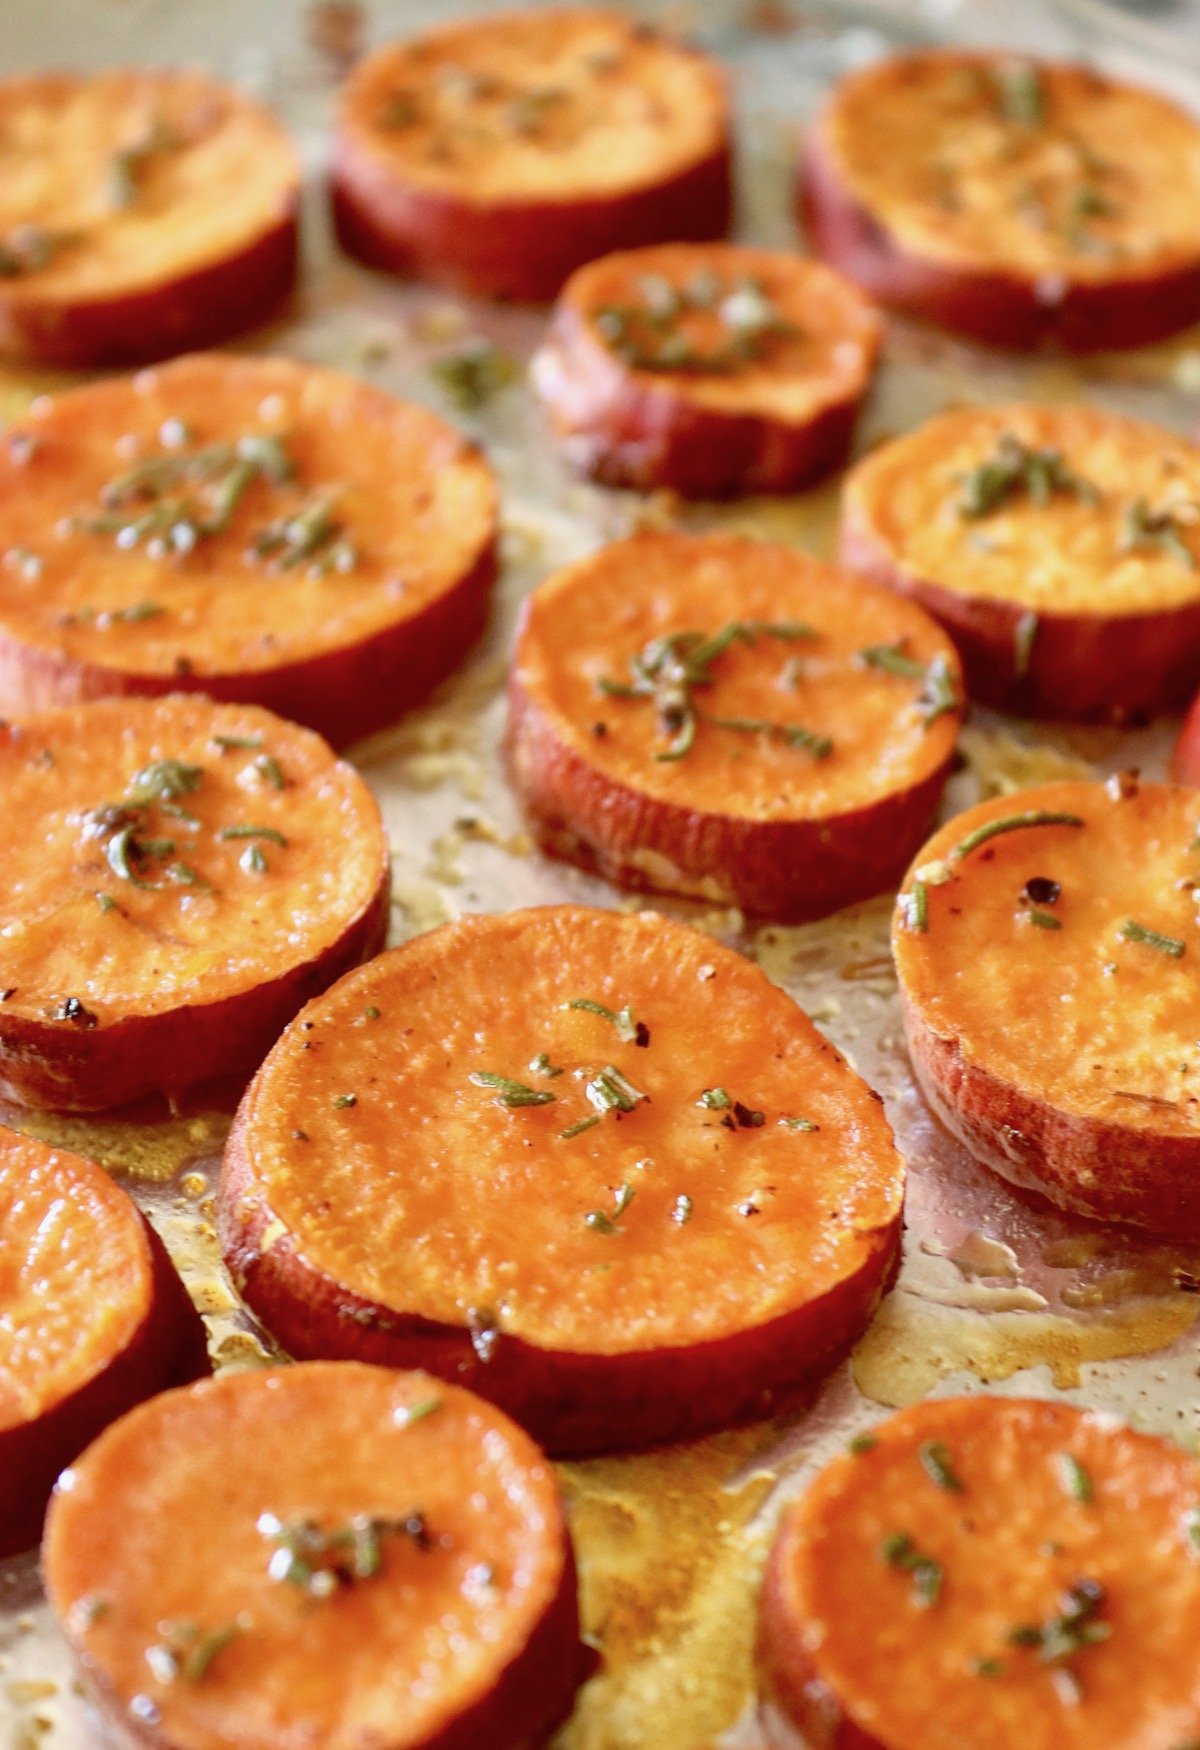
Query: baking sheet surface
x=994, y=1294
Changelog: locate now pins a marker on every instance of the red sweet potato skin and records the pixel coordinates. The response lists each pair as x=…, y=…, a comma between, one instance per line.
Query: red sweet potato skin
x=212, y=304
x=1004, y=310
x=624, y=430
x=168, y=1349
x=792, y=870
x=519, y=250
x=571, y=1404
x=1121, y=668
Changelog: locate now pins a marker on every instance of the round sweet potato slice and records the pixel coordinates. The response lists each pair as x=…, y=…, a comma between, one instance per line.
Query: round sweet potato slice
x=142, y=212
x=177, y=879
x=1047, y=949
x=1059, y=547
x=386, y=1562
x=498, y=154
x=740, y=723
x=708, y=368
x=593, y=1165
x=1014, y=200
x=983, y=1571
x=92, y=1319
x=253, y=529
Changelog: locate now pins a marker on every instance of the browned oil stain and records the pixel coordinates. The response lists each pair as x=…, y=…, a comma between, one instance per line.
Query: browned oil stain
x=669, y=1571
x=913, y=1344
x=150, y=1151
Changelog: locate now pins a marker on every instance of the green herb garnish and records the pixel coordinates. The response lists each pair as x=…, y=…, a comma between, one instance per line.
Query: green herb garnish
x=588, y=1123
x=1142, y=527
x=271, y=834
x=899, y=1551
x=1011, y=823
x=862, y=1443
x=1132, y=931
x=1075, y=1479
x=631, y=1031
x=1020, y=92
x=510, y=1093
x=939, y=691
x=610, y=1091
x=343, y=1101
x=1015, y=469
x=1044, y=920
x=603, y=1223
x=471, y=376
x=542, y=1066
x=1074, y=1628
x=652, y=335
x=716, y=1099
x=936, y=1463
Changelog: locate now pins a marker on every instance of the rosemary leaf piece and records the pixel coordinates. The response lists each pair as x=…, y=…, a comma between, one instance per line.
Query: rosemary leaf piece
x=411, y=1413
x=1044, y=920
x=1075, y=1479
x=542, y=1066
x=604, y=1223
x=1011, y=823
x=1142, y=527
x=1020, y=92
x=1132, y=931
x=716, y=1099
x=474, y=374
x=610, y=1091
x=935, y=1461
x=628, y=1030
x=270, y=833
x=588, y=1123
x=1016, y=469
x=1075, y=1627
x=899, y=1551
x=939, y=692
x=914, y=907
x=510, y=1093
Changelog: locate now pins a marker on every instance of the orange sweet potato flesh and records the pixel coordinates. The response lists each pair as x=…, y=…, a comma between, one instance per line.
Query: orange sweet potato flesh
x=1055, y=610
x=466, y=1635
x=853, y=1658
x=146, y=212
x=769, y=424
x=124, y=973
x=744, y=818
x=1017, y=202
x=498, y=154
x=661, y=1272
x=1064, y=1057
x=92, y=1319
x=345, y=651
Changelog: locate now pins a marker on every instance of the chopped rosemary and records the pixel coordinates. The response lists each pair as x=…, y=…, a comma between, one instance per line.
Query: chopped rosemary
x=716, y=1099
x=987, y=1667
x=862, y=1443
x=603, y=1223
x=164, y=781
x=610, y=1091
x=234, y=743
x=1132, y=931
x=1075, y=1479
x=187, y=1652
x=474, y=374
x=914, y=907
x=509, y=1093
x=343, y=1101
x=797, y=1124
x=270, y=771
x=410, y=1413
x=936, y=1463
x=631, y=1031
x=588, y=1123
x=655, y=334
x=1011, y=823
x=1024, y=638
x=671, y=669
x=899, y=1551
x=311, y=533
x=1020, y=92
x=1074, y=1628
x=175, y=499
x=542, y=1066
x=1142, y=527
x=1044, y=920
x=321, y=1562
x=939, y=691
x=1016, y=468
x=270, y=833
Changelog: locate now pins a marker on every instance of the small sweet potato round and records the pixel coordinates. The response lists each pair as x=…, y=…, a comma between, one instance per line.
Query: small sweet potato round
x=383, y=1561
x=252, y=529
x=498, y=154
x=142, y=213
x=815, y=767
x=1047, y=948
x=177, y=879
x=1013, y=200
x=92, y=1319
x=709, y=368
x=1058, y=546
x=987, y=1571
x=595, y=1166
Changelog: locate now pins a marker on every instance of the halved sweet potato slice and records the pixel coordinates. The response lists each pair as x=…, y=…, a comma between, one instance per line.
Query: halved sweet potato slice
x=1014, y=200
x=1059, y=547
x=730, y=720
x=709, y=368
x=252, y=529
x=92, y=1319
x=142, y=212
x=382, y=1560
x=177, y=878
x=498, y=154
x=1047, y=949
x=990, y=1571
x=593, y=1165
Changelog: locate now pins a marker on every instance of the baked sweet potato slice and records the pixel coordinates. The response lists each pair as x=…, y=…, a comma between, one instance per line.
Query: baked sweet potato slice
x=498, y=154
x=253, y=529
x=142, y=212
x=731, y=720
x=708, y=368
x=92, y=1319
x=1058, y=546
x=383, y=1561
x=985, y=1571
x=1047, y=949
x=594, y=1166
x=1014, y=200
x=177, y=879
